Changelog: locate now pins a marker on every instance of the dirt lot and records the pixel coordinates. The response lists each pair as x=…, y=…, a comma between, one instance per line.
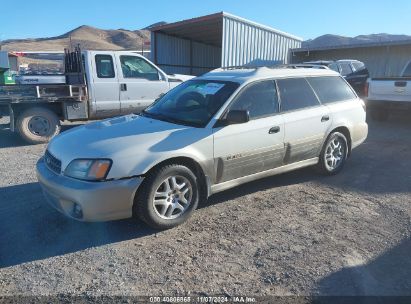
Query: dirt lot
x=297, y=233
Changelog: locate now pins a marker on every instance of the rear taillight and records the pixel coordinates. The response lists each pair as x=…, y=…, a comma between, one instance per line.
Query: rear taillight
x=363, y=105
x=366, y=88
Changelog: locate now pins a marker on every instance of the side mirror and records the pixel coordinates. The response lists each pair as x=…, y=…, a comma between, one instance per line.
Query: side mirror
x=237, y=117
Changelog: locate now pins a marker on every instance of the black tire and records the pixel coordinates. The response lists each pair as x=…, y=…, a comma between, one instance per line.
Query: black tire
x=379, y=115
x=38, y=125
x=324, y=165
x=144, y=201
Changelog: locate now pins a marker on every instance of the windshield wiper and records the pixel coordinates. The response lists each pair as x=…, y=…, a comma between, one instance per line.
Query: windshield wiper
x=164, y=118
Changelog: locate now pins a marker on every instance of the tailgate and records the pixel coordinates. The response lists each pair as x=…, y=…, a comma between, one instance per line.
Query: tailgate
x=395, y=89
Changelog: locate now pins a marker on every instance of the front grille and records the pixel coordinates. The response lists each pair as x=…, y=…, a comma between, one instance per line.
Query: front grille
x=52, y=163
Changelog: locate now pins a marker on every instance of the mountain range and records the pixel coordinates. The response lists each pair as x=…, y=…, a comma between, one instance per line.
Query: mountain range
x=87, y=36
x=98, y=39
x=336, y=40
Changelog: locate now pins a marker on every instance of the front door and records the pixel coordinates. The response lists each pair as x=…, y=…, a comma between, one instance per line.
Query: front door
x=306, y=121
x=255, y=146
x=140, y=82
x=105, y=88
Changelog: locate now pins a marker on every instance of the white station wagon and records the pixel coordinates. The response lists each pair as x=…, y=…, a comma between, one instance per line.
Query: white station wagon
x=209, y=134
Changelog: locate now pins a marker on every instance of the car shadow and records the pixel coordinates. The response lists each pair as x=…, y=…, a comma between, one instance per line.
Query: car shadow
x=387, y=275
x=9, y=139
x=32, y=230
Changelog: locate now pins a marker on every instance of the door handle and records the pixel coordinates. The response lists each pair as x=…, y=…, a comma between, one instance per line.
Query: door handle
x=325, y=118
x=274, y=130
x=123, y=86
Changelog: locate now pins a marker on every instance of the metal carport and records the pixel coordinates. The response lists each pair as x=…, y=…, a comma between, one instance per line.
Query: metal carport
x=198, y=45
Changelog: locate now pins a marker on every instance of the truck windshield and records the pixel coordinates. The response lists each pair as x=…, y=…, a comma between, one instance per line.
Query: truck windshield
x=192, y=103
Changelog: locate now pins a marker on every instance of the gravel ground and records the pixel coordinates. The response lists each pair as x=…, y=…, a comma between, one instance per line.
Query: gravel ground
x=293, y=234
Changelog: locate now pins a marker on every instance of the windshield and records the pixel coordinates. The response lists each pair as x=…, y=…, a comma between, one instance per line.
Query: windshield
x=192, y=103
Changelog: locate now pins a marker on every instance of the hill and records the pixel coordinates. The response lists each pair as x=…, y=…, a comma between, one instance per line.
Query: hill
x=87, y=36
x=336, y=40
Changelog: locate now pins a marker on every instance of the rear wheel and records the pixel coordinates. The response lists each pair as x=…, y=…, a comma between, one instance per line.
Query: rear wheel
x=167, y=197
x=38, y=125
x=333, y=154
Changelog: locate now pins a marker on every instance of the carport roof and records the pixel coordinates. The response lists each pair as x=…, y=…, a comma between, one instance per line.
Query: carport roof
x=208, y=29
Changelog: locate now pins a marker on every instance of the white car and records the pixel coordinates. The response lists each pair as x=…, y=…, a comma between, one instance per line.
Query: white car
x=208, y=134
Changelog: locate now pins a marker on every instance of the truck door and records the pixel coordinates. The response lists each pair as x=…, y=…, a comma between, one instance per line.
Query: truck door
x=140, y=82
x=105, y=88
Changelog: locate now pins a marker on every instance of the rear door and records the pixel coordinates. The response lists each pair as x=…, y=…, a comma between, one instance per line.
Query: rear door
x=105, y=87
x=140, y=82
x=255, y=146
x=306, y=121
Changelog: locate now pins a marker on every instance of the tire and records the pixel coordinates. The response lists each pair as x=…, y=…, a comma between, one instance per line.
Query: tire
x=379, y=115
x=38, y=125
x=156, y=213
x=330, y=152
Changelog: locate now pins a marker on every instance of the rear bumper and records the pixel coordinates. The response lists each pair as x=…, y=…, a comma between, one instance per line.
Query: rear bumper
x=388, y=105
x=359, y=134
x=99, y=201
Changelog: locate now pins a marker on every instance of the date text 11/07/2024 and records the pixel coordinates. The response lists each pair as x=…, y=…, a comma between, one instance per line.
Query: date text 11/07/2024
x=203, y=299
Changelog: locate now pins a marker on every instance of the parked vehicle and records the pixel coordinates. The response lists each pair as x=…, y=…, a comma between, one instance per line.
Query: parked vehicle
x=389, y=94
x=353, y=71
x=207, y=135
x=110, y=83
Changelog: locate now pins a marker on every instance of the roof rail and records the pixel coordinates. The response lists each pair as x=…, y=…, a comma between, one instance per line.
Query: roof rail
x=302, y=66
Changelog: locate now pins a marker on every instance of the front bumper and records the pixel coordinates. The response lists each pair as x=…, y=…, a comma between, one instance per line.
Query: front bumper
x=99, y=201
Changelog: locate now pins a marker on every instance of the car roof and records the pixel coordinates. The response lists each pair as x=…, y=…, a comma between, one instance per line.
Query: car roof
x=248, y=74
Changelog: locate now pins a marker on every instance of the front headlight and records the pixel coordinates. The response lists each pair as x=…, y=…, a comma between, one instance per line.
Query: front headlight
x=88, y=169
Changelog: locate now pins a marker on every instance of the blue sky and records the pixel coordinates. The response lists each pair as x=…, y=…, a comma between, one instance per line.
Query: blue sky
x=306, y=19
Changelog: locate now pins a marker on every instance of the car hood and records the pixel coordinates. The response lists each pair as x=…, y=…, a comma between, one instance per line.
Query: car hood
x=127, y=140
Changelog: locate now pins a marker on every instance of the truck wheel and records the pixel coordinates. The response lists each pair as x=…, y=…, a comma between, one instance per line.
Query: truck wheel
x=38, y=125
x=333, y=154
x=167, y=197
x=379, y=115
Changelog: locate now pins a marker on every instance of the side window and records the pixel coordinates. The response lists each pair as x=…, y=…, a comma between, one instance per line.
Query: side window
x=345, y=69
x=104, y=66
x=136, y=67
x=295, y=94
x=331, y=89
x=358, y=65
x=259, y=98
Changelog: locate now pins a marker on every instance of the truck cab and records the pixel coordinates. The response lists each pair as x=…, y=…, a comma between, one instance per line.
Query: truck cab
x=96, y=84
x=122, y=82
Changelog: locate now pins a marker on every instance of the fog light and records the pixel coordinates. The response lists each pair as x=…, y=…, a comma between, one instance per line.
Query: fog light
x=77, y=212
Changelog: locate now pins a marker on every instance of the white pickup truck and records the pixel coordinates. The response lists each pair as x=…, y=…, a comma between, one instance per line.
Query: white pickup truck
x=389, y=94
x=98, y=84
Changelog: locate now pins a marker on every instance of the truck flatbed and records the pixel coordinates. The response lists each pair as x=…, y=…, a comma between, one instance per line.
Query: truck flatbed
x=42, y=93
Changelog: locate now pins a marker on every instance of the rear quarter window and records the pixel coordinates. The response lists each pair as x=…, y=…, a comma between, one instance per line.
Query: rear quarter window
x=105, y=66
x=331, y=89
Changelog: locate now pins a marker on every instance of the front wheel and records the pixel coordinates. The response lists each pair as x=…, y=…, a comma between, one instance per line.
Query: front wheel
x=167, y=197
x=38, y=125
x=333, y=154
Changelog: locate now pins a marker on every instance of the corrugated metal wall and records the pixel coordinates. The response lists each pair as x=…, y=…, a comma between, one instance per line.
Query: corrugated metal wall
x=381, y=61
x=4, y=60
x=173, y=55
x=245, y=43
